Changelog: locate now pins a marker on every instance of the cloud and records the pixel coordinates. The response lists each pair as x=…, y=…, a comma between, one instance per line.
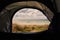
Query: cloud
x=29, y=13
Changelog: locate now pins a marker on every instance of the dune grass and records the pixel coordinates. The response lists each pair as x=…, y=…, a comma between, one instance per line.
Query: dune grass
x=29, y=28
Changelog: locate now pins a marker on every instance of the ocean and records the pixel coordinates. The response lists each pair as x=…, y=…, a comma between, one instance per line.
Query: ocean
x=41, y=21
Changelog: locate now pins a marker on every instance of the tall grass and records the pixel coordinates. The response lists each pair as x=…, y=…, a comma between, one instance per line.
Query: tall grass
x=29, y=28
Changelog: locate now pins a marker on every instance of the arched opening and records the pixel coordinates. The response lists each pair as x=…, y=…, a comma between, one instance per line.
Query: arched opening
x=9, y=11
x=29, y=20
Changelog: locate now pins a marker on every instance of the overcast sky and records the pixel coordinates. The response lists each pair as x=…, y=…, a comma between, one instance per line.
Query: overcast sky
x=29, y=13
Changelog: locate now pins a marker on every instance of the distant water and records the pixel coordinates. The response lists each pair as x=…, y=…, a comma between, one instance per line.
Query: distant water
x=33, y=21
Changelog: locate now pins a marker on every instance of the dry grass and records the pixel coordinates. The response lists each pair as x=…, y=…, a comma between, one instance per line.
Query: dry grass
x=29, y=28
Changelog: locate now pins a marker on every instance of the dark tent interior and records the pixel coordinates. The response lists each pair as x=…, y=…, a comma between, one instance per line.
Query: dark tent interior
x=53, y=17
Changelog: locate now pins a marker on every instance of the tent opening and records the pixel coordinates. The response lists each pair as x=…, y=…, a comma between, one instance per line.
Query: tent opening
x=29, y=20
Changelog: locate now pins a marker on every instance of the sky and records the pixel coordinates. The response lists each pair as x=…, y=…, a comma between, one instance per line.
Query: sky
x=28, y=14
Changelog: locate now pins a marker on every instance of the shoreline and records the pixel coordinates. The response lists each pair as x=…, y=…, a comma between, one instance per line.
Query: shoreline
x=31, y=23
